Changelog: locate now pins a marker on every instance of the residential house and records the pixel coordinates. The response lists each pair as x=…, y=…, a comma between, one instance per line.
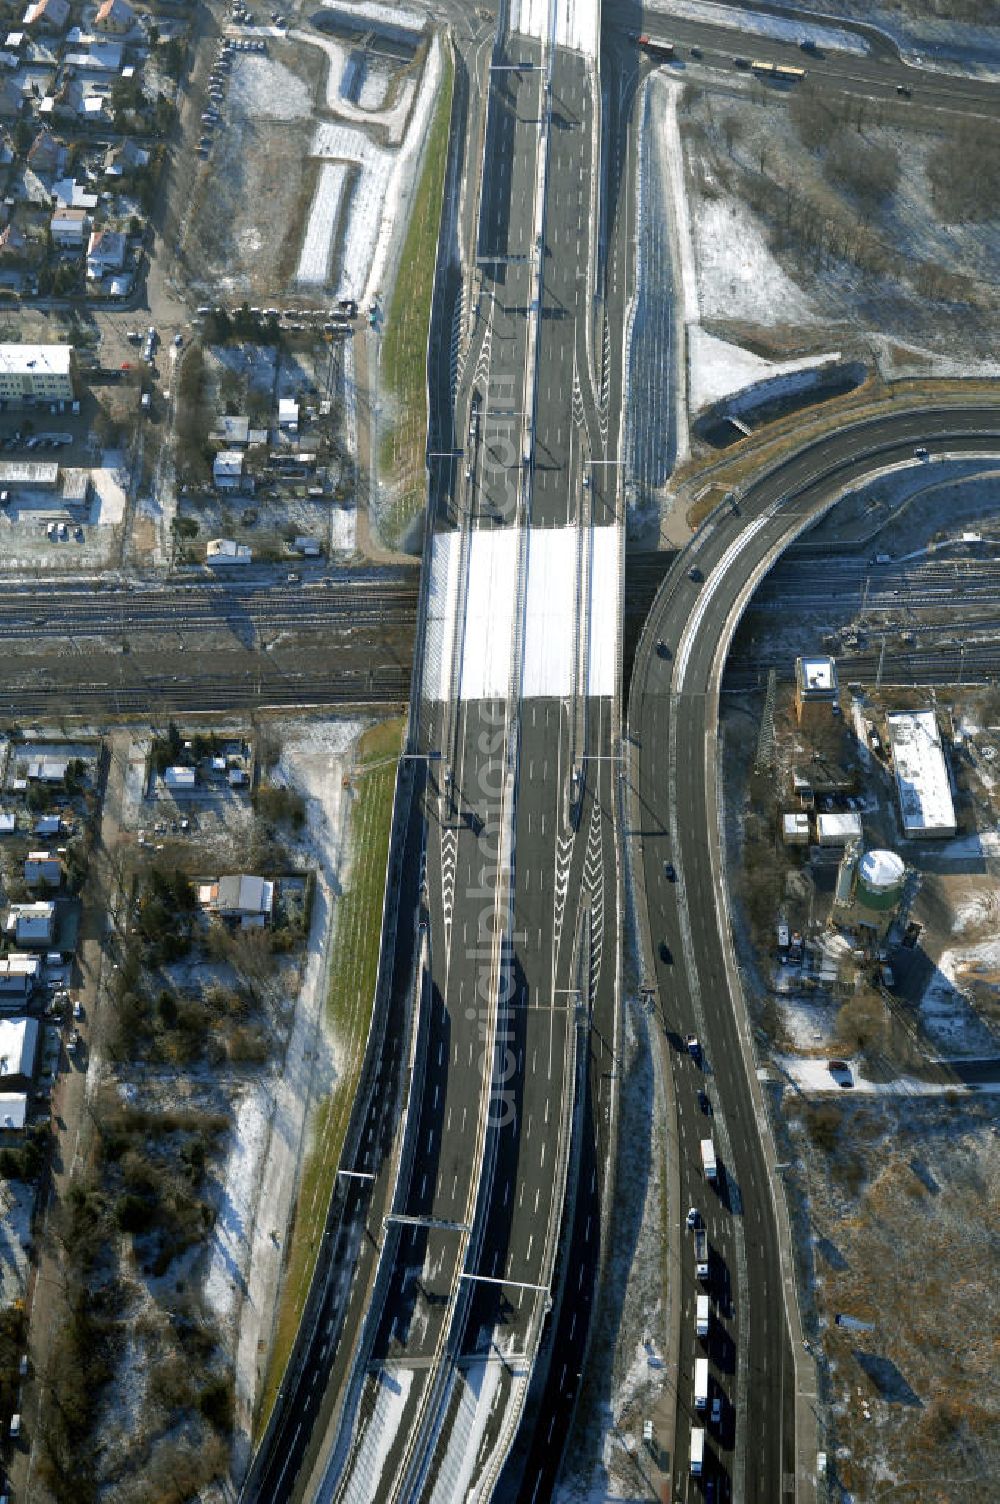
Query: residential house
x=105, y=253
x=250, y=900
x=69, y=228
x=48, y=825
x=18, y=1050
x=8, y=822
x=49, y=16
x=120, y=161
x=180, y=778
x=32, y=924
x=42, y=870
x=227, y=469
x=67, y=193
x=288, y=414
x=43, y=769
x=45, y=153
x=226, y=551
x=19, y=972
x=115, y=17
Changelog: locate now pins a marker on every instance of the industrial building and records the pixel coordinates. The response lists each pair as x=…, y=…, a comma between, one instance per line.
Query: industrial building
x=817, y=696
x=838, y=828
x=36, y=373
x=795, y=828
x=925, y=803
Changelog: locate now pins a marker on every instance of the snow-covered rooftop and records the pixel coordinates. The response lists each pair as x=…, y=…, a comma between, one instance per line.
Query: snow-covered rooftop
x=925, y=800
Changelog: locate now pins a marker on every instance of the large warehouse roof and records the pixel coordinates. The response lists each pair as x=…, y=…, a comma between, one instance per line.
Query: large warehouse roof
x=40, y=360
x=925, y=800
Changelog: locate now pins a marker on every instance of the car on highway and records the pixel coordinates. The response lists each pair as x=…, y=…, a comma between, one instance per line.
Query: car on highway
x=715, y=1419
x=693, y=1218
x=662, y=649
x=904, y=91
x=921, y=452
x=704, y=1103
x=670, y=872
x=694, y=573
x=666, y=954
x=693, y=1046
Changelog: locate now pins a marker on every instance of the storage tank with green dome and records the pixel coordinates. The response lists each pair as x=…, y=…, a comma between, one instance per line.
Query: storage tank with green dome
x=881, y=877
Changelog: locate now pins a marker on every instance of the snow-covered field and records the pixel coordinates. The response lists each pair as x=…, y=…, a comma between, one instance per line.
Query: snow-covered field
x=359, y=235
x=946, y=1011
x=755, y=23
x=719, y=369
x=343, y=530
x=265, y=1156
x=264, y=89
x=316, y=255
x=16, y=1202
x=361, y=102
x=738, y=277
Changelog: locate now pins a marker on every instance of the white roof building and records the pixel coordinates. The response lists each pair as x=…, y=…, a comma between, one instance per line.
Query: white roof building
x=13, y=1111
x=32, y=923
x=925, y=803
x=180, y=778
x=837, y=829
x=18, y=972
x=227, y=468
x=8, y=822
x=288, y=413
x=49, y=360
x=18, y=1048
x=226, y=551
x=795, y=828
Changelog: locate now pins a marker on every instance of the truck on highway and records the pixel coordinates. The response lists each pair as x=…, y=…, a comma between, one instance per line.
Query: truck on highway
x=697, y=1450
x=701, y=1253
x=654, y=48
x=702, y=1316
x=708, y=1160
x=701, y=1383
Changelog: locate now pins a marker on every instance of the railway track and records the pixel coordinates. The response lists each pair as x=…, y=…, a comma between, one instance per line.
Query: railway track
x=382, y=687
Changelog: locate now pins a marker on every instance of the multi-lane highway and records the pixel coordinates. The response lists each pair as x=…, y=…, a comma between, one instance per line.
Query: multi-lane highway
x=460, y=1317
x=764, y=1446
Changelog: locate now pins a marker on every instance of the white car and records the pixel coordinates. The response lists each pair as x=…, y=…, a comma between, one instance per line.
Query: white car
x=694, y=1217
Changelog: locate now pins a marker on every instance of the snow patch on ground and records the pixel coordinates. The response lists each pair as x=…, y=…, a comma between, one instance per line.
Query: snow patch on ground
x=813, y=1077
x=738, y=277
x=264, y=89
x=234, y=1225
x=946, y=1011
x=719, y=369
x=834, y=38
x=343, y=530
x=16, y=1204
x=983, y=843
x=380, y=201
x=324, y=214
x=261, y=1173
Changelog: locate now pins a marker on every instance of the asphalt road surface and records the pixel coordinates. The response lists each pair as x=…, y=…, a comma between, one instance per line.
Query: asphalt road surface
x=672, y=715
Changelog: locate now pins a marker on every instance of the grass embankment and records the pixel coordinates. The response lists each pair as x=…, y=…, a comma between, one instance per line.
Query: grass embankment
x=350, y=995
x=872, y=399
x=404, y=348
